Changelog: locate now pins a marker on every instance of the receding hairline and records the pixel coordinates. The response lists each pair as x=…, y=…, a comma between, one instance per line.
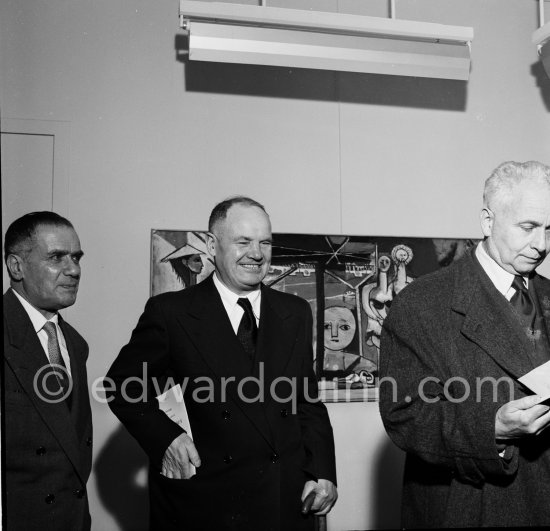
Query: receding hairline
x=29, y=241
x=220, y=211
x=504, y=180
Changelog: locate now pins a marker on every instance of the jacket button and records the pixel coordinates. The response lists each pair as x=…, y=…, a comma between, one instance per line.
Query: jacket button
x=226, y=414
x=49, y=499
x=89, y=441
x=274, y=458
x=40, y=451
x=227, y=459
x=80, y=493
x=284, y=413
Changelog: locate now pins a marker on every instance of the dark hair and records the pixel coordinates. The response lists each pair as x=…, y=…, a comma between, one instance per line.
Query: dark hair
x=219, y=212
x=24, y=228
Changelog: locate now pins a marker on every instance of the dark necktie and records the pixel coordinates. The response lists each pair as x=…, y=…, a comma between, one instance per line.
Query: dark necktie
x=247, y=330
x=521, y=300
x=56, y=360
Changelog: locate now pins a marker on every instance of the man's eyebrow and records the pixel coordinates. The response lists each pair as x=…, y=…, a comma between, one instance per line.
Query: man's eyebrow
x=65, y=252
x=530, y=222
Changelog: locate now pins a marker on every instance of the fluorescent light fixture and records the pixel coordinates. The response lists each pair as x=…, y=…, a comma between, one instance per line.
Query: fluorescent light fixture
x=235, y=33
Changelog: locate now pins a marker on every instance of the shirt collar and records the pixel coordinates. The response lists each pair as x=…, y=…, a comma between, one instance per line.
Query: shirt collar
x=37, y=319
x=230, y=299
x=499, y=276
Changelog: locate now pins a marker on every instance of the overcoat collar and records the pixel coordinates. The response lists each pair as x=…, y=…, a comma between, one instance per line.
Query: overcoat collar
x=488, y=321
x=542, y=291
x=28, y=361
x=207, y=322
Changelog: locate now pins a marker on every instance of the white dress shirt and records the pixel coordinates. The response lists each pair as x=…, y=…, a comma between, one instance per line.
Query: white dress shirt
x=234, y=311
x=38, y=321
x=499, y=277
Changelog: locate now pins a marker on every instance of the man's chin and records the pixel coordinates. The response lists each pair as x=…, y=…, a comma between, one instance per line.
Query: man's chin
x=253, y=285
x=527, y=267
x=253, y=278
x=66, y=302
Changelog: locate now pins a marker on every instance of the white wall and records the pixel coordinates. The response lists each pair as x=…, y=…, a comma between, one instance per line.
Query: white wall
x=154, y=143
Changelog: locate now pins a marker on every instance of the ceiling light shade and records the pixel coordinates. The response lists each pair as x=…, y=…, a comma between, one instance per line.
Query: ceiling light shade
x=233, y=33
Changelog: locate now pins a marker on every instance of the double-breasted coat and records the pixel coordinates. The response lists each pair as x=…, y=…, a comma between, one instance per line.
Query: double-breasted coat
x=47, y=445
x=451, y=353
x=258, y=442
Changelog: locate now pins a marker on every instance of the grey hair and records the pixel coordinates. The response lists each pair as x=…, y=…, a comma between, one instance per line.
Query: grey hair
x=500, y=185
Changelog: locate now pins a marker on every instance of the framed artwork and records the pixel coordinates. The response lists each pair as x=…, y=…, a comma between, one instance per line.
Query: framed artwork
x=349, y=282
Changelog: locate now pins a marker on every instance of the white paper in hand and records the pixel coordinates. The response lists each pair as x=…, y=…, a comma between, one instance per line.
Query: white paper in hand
x=173, y=405
x=538, y=380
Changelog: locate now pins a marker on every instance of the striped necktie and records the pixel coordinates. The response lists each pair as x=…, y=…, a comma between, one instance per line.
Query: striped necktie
x=56, y=359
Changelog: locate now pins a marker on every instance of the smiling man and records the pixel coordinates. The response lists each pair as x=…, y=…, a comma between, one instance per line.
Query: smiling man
x=261, y=441
x=47, y=419
x=455, y=344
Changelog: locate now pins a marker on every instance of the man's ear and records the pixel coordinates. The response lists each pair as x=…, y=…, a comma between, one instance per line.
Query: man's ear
x=486, y=218
x=14, y=264
x=211, y=244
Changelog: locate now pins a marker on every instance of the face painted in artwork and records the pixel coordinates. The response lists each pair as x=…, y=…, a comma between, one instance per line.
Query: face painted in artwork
x=194, y=262
x=340, y=327
x=376, y=305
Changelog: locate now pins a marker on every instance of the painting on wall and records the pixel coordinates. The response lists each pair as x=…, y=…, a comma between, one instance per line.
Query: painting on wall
x=349, y=282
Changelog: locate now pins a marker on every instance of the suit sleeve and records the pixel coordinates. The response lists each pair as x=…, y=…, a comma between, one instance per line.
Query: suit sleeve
x=423, y=413
x=138, y=375
x=316, y=428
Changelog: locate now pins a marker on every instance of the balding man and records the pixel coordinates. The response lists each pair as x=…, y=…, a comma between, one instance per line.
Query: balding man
x=261, y=441
x=453, y=347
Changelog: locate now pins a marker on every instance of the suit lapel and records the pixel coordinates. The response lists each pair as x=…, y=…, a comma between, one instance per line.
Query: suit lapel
x=487, y=321
x=208, y=324
x=27, y=359
x=80, y=400
x=275, y=337
x=542, y=295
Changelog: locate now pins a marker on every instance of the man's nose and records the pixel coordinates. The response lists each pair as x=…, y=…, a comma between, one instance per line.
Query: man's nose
x=254, y=251
x=72, y=268
x=333, y=331
x=541, y=240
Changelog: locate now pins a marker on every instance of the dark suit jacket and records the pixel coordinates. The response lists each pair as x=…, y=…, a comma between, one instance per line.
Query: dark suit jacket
x=255, y=456
x=455, y=324
x=47, y=448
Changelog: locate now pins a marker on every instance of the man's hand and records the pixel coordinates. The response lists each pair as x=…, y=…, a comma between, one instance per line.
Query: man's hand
x=178, y=458
x=521, y=417
x=325, y=495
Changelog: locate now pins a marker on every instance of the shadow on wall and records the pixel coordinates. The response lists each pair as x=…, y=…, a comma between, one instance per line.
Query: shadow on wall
x=322, y=85
x=121, y=476
x=543, y=82
x=388, y=478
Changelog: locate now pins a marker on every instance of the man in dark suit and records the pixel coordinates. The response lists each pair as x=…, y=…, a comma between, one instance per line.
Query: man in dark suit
x=453, y=347
x=262, y=442
x=47, y=422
